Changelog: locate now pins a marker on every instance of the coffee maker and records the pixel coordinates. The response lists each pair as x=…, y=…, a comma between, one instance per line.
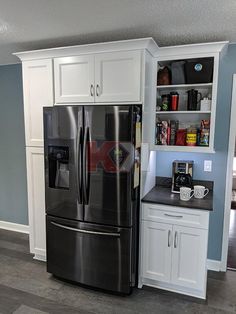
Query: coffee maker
x=182, y=174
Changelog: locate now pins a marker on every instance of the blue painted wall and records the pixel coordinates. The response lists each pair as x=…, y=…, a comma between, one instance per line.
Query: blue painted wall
x=219, y=159
x=13, y=195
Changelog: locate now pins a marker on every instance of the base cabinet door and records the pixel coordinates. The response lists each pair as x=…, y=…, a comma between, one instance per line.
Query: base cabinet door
x=38, y=93
x=189, y=257
x=156, y=251
x=36, y=201
x=118, y=76
x=74, y=79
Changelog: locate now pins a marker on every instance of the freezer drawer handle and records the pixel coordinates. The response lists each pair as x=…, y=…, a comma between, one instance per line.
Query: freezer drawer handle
x=174, y=216
x=110, y=234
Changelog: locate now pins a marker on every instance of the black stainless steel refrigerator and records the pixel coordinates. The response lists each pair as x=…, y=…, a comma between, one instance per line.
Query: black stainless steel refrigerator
x=92, y=194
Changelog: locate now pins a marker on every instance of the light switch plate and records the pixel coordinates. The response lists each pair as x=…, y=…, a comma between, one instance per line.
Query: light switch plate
x=208, y=165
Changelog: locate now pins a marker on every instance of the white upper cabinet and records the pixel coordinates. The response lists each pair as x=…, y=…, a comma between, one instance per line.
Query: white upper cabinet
x=103, y=77
x=118, y=76
x=38, y=93
x=74, y=79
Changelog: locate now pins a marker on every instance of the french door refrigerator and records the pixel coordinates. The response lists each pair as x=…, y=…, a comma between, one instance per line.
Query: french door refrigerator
x=92, y=193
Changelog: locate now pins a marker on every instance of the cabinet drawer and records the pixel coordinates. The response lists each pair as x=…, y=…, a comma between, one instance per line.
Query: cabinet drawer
x=175, y=215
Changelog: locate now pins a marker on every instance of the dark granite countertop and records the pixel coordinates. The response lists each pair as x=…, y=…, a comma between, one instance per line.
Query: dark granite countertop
x=161, y=194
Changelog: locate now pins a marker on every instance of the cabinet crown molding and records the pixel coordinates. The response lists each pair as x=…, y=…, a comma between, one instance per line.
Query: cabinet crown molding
x=122, y=45
x=192, y=49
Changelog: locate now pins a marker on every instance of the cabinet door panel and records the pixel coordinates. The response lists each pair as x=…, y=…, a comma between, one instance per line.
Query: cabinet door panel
x=36, y=200
x=189, y=257
x=38, y=93
x=156, y=251
x=118, y=76
x=74, y=79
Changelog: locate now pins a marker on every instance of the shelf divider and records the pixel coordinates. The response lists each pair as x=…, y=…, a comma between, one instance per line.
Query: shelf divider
x=183, y=86
x=183, y=112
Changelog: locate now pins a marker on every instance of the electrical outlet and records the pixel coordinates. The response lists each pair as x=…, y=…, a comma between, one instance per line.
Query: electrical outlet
x=208, y=165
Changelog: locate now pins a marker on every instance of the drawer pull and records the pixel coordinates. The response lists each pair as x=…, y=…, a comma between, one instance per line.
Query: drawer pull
x=173, y=216
x=110, y=234
x=169, y=236
x=176, y=239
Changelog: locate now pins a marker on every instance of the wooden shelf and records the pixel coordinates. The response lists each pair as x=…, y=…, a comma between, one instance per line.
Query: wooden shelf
x=184, y=86
x=183, y=112
x=187, y=149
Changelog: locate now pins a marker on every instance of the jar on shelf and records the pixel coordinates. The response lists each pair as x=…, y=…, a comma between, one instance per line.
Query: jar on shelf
x=191, y=136
x=165, y=102
x=204, y=137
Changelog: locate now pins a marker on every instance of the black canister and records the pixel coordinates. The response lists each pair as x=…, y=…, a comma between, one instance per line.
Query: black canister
x=194, y=98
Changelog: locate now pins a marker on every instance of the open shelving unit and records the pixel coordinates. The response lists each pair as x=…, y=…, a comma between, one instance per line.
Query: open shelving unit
x=184, y=116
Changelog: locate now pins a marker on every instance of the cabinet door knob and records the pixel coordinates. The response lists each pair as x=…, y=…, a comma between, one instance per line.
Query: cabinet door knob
x=97, y=90
x=176, y=240
x=169, y=238
x=91, y=90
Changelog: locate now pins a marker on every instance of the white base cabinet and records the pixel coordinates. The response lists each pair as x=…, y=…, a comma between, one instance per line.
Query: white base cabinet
x=174, y=249
x=156, y=251
x=36, y=201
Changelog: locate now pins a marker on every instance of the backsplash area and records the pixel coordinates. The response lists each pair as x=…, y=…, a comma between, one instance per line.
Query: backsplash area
x=217, y=175
x=165, y=159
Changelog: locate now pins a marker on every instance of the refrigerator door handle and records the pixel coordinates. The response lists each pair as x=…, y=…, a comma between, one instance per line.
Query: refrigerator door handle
x=86, y=178
x=109, y=234
x=78, y=165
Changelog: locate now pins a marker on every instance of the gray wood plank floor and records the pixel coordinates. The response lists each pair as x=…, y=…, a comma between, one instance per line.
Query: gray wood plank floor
x=26, y=288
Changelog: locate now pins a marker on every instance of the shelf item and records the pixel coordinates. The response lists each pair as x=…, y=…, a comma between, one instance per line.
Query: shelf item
x=185, y=86
x=182, y=133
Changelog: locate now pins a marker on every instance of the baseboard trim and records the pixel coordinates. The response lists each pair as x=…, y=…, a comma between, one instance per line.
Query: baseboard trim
x=39, y=257
x=14, y=227
x=214, y=265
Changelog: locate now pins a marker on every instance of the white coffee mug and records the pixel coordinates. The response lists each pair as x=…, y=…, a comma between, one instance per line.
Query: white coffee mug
x=200, y=191
x=186, y=193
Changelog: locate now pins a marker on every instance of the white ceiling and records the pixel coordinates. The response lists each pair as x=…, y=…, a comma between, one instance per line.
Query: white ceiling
x=36, y=24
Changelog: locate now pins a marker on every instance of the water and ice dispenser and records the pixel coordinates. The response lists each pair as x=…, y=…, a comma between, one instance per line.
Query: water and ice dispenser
x=58, y=160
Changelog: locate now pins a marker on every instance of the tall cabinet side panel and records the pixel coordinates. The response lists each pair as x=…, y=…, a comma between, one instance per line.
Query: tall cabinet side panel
x=36, y=201
x=148, y=160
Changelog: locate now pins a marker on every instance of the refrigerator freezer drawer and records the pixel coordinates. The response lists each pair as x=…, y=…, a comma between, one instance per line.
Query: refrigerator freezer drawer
x=94, y=255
